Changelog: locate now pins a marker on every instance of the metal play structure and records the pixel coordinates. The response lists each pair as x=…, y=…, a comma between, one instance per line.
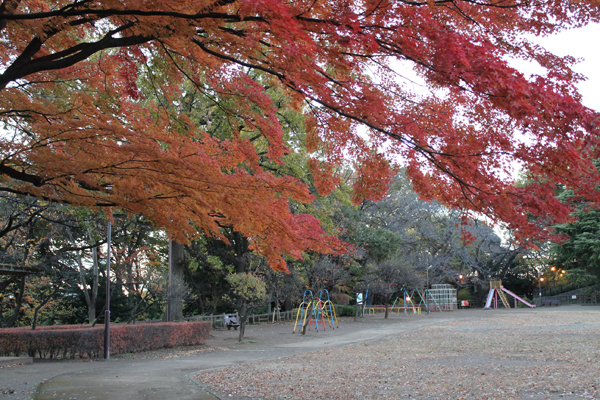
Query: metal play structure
x=439, y=298
x=365, y=304
x=497, y=290
x=444, y=296
x=315, y=310
x=425, y=300
x=407, y=302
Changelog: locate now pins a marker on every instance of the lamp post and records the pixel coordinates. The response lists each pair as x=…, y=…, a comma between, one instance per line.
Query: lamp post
x=169, y=315
x=540, y=279
x=107, y=306
x=107, y=311
x=427, y=289
x=427, y=285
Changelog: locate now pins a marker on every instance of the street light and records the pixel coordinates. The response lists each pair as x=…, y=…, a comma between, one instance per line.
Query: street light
x=169, y=294
x=427, y=289
x=107, y=311
x=107, y=308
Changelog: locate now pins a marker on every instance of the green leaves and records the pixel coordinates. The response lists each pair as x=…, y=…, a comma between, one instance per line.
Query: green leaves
x=248, y=287
x=581, y=249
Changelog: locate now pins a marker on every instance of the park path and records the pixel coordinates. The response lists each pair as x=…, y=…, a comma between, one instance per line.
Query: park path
x=166, y=375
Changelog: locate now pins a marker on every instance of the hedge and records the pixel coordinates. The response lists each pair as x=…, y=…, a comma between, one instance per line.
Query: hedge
x=70, y=341
x=345, y=311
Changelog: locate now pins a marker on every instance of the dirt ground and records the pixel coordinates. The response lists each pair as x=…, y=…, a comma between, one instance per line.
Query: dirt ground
x=546, y=353
x=476, y=354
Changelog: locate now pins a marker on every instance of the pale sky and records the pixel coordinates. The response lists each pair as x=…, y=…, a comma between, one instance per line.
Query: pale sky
x=579, y=43
x=574, y=42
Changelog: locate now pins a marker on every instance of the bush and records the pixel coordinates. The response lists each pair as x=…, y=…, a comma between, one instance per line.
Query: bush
x=84, y=341
x=465, y=294
x=340, y=298
x=261, y=310
x=345, y=311
x=521, y=305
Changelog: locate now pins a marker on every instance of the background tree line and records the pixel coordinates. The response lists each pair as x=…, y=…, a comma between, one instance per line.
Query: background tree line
x=263, y=137
x=391, y=243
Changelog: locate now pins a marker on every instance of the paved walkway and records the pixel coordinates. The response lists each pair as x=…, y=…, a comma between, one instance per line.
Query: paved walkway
x=168, y=377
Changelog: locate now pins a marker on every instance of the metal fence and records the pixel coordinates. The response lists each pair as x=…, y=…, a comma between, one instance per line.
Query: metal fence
x=380, y=309
x=555, y=290
x=582, y=299
x=254, y=319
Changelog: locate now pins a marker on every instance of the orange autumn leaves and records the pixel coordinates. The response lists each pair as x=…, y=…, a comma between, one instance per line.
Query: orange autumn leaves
x=163, y=108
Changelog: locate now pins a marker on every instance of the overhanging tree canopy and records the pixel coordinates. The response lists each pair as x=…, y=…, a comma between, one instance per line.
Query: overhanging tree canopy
x=79, y=130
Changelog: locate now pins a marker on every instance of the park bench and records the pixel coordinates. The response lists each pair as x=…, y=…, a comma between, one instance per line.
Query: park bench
x=231, y=321
x=465, y=304
x=550, y=303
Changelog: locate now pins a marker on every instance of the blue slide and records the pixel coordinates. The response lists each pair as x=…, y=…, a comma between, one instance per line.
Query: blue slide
x=488, y=302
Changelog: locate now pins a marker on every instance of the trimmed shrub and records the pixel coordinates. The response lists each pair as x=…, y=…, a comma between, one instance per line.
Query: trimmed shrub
x=344, y=311
x=341, y=299
x=521, y=305
x=86, y=342
x=465, y=294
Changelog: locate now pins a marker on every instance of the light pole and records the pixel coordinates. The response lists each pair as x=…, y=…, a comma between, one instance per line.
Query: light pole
x=540, y=279
x=427, y=289
x=169, y=316
x=107, y=312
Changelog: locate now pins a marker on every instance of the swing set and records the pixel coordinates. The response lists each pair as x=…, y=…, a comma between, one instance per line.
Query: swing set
x=413, y=300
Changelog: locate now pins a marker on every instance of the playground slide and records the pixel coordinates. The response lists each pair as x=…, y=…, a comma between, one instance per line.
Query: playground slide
x=488, y=302
x=517, y=297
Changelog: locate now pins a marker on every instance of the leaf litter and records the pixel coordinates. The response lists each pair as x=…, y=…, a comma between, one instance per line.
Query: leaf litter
x=550, y=355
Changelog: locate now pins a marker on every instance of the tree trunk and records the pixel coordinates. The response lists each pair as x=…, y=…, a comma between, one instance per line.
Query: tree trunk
x=38, y=308
x=17, y=309
x=306, y=322
x=243, y=314
x=94, y=295
x=35, y=316
x=387, y=309
x=90, y=298
x=241, y=262
x=177, y=287
x=84, y=287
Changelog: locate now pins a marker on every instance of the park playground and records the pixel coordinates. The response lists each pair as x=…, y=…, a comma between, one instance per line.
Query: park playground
x=543, y=353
